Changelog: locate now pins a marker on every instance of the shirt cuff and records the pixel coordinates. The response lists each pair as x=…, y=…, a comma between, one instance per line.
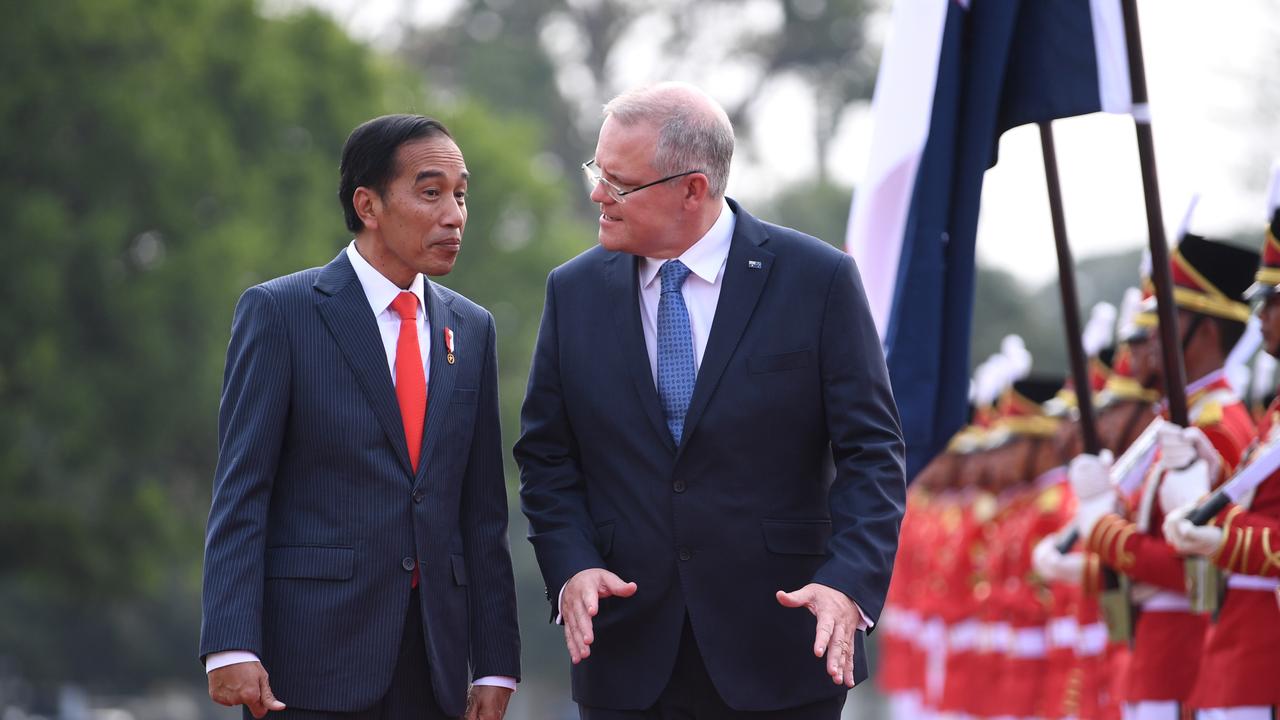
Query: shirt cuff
x=213, y=661
x=864, y=623
x=501, y=681
x=559, y=599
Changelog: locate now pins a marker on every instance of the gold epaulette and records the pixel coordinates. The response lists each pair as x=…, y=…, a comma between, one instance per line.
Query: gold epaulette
x=1050, y=500
x=1211, y=414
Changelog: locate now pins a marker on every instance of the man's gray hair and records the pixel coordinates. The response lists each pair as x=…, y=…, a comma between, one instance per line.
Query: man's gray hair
x=692, y=135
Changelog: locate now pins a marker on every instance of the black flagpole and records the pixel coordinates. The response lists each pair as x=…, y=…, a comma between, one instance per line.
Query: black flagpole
x=1070, y=300
x=1175, y=376
x=1070, y=309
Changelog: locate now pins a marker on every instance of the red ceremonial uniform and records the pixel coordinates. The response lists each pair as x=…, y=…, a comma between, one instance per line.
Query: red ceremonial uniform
x=1162, y=666
x=1241, y=663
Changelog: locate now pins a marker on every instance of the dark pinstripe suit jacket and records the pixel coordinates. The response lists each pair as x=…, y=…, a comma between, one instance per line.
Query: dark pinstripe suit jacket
x=317, y=516
x=789, y=471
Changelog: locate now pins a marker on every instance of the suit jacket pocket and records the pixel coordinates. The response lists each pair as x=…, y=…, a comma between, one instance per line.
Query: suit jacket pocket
x=314, y=562
x=796, y=537
x=778, y=362
x=465, y=395
x=459, y=569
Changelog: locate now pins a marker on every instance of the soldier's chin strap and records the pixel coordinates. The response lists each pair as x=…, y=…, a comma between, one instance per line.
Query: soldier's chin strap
x=1028, y=471
x=1192, y=327
x=1131, y=425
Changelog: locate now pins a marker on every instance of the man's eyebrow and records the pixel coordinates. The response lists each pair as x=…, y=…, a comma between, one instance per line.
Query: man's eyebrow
x=430, y=174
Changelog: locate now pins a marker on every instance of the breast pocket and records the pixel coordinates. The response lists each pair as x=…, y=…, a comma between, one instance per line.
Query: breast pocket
x=778, y=362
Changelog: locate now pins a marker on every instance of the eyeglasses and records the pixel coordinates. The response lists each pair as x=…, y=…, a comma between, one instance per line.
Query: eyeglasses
x=591, y=172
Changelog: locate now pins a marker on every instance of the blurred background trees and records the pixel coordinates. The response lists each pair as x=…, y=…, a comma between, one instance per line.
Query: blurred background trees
x=158, y=158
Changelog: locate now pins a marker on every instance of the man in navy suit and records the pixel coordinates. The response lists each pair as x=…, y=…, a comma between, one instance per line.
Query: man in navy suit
x=357, y=543
x=709, y=445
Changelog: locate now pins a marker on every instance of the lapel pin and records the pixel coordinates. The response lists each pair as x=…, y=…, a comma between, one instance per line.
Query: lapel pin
x=755, y=264
x=448, y=346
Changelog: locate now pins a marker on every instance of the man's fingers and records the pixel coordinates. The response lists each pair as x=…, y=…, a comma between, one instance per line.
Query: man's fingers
x=837, y=652
x=269, y=700
x=796, y=599
x=613, y=586
x=822, y=636
x=570, y=644
x=848, y=662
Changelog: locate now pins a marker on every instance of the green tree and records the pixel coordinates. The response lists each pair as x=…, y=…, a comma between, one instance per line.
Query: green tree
x=158, y=159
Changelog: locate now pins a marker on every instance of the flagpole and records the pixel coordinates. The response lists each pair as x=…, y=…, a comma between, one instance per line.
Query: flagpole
x=1070, y=298
x=1070, y=310
x=1175, y=377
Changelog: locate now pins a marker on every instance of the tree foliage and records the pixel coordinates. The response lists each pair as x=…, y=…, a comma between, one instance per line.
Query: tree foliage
x=158, y=159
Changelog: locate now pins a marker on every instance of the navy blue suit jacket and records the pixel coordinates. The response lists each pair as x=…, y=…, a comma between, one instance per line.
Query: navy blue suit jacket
x=317, y=516
x=789, y=472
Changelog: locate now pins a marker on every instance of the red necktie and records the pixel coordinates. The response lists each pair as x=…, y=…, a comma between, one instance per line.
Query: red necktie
x=411, y=380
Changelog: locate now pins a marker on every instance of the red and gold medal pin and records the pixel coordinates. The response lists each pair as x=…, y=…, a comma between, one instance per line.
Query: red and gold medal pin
x=448, y=346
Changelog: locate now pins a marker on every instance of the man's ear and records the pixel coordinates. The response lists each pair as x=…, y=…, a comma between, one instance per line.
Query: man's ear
x=696, y=191
x=368, y=206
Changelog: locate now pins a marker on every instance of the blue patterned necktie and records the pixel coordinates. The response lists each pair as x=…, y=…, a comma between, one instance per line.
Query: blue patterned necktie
x=676, y=372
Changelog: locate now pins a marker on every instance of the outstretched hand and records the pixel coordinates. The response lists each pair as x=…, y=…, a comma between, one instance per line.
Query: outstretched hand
x=580, y=602
x=838, y=619
x=244, y=684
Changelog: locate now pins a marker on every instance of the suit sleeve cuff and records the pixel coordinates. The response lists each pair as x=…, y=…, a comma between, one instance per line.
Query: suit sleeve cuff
x=864, y=623
x=227, y=657
x=501, y=681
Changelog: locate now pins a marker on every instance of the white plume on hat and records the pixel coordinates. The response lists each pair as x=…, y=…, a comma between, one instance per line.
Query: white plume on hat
x=1264, y=377
x=1100, y=330
x=1015, y=349
x=1273, y=189
x=1130, y=306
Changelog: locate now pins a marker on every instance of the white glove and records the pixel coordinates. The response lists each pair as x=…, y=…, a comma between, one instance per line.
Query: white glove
x=1183, y=487
x=1189, y=539
x=1053, y=566
x=1090, y=475
x=1089, y=511
x=1179, y=447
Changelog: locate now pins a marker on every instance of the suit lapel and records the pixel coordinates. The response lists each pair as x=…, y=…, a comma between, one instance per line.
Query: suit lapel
x=745, y=273
x=444, y=374
x=345, y=310
x=623, y=291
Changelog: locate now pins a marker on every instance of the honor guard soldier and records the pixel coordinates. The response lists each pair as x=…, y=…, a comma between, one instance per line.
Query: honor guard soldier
x=1239, y=669
x=1209, y=280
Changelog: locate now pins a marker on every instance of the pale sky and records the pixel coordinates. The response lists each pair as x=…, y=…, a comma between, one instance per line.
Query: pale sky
x=1207, y=63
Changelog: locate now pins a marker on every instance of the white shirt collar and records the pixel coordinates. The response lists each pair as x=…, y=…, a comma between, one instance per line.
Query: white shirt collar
x=378, y=290
x=706, y=257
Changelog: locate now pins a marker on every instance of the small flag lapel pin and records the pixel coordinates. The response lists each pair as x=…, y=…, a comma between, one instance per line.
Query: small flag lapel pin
x=448, y=346
x=755, y=264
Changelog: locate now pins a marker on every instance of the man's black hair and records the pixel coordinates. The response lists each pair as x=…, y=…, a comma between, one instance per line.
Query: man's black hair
x=369, y=156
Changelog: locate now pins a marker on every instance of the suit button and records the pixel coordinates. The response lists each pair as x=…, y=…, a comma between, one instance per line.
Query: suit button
x=408, y=563
x=678, y=486
x=418, y=495
x=685, y=553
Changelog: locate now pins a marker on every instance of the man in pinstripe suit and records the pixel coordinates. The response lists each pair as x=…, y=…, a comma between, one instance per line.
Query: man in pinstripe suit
x=357, y=543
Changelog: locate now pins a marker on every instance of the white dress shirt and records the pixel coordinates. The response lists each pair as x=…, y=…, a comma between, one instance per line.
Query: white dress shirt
x=706, y=260
x=380, y=292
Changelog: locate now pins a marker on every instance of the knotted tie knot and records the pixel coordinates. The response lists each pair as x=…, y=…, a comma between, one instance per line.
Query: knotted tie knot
x=406, y=306
x=673, y=274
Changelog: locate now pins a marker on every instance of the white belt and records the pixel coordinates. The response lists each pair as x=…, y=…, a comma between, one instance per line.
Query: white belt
x=933, y=633
x=1253, y=582
x=963, y=635
x=1165, y=601
x=1028, y=643
x=909, y=623
x=1063, y=632
x=1093, y=640
x=996, y=636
